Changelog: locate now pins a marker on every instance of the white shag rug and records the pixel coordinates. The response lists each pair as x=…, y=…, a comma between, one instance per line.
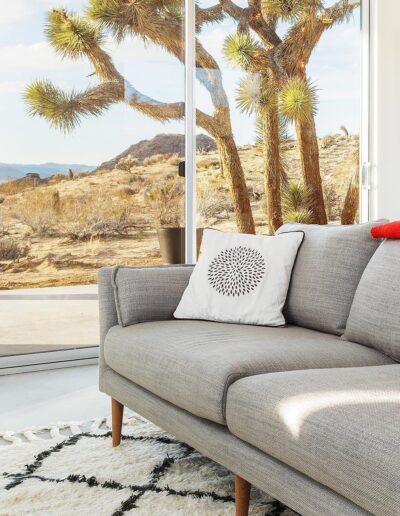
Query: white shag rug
x=72, y=469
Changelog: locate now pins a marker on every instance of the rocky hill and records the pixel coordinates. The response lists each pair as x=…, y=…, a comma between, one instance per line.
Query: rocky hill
x=160, y=144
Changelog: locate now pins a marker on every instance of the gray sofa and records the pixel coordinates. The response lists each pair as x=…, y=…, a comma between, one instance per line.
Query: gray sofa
x=302, y=412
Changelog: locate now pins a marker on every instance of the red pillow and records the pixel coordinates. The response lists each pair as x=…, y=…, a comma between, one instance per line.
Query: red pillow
x=390, y=230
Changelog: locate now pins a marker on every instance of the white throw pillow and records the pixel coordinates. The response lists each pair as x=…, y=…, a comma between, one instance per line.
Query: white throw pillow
x=241, y=278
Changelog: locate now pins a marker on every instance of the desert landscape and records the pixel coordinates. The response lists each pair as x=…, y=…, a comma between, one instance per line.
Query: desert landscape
x=59, y=230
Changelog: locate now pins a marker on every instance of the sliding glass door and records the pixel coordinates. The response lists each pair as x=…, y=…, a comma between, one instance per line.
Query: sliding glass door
x=92, y=133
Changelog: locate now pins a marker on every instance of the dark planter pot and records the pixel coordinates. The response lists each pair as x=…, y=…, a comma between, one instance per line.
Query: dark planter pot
x=172, y=244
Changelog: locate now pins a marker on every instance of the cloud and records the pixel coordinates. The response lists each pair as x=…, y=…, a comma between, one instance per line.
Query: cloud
x=15, y=11
x=37, y=56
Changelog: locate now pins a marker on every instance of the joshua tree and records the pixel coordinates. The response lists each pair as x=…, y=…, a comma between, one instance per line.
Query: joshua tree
x=351, y=202
x=156, y=21
x=280, y=67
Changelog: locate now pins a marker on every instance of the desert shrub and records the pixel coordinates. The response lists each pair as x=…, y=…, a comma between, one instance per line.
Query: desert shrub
x=166, y=201
x=137, y=178
x=333, y=200
x=201, y=151
x=85, y=173
x=213, y=201
x=93, y=216
x=156, y=158
x=127, y=163
x=39, y=210
x=11, y=249
x=174, y=160
x=57, y=178
x=208, y=163
x=3, y=228
x=124, y=191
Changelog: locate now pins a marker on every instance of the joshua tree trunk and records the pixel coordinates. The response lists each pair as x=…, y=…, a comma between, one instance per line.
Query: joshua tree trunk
x=273, y=169
x=309, y=156
x=351, y=202
x=233, y=170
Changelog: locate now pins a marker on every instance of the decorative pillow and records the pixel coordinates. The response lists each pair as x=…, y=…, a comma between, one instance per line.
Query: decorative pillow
x=241, y=278
x=391, y=230
x=374, y=318
x=327, y=271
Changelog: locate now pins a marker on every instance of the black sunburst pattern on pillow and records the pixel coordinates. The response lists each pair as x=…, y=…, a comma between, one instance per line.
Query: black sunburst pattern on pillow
x=236, y=271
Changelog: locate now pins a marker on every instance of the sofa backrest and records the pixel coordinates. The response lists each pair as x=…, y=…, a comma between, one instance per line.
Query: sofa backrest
x=374, y=318
x=326, y=274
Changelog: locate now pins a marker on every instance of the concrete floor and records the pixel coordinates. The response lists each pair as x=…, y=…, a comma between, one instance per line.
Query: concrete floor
x=52, y=396
x=61, y=317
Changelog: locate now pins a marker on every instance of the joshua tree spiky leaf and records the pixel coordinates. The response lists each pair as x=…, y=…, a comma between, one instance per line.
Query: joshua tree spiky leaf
x=240, y=49
x=296, y=197
x=70, y=35
x=64, y=110
x=302, y=216
x=298, y=99
x=287, y=10
x=255, y=95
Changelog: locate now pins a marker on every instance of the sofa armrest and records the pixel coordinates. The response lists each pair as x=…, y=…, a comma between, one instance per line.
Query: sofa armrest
x=148, y=293
x=107, y=313
x=128, y=295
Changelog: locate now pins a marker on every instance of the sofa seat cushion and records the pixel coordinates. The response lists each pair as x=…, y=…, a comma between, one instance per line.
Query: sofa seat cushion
x=341, y=427
x=192, y=363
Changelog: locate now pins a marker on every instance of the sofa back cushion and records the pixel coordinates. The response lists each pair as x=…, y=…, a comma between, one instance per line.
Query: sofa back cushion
x=327, y=271
x=374, y=318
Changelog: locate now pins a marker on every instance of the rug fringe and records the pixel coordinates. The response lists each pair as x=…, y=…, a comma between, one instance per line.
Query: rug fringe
x=33, y=433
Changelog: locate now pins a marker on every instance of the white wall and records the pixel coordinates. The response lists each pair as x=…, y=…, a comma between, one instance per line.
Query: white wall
x=385, y=109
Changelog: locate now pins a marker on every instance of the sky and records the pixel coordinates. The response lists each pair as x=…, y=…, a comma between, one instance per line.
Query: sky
x=26, y=56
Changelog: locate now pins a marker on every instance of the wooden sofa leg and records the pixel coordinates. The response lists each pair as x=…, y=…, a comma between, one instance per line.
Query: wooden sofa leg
x=242, y=496
x=117, y=412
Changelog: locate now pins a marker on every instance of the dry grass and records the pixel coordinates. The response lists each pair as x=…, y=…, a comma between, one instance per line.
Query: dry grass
x=70, y=235
x=95, y=216
x=39, y=209
x=13, y=187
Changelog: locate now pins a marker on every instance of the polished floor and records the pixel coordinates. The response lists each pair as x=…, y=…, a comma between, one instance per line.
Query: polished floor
x=52, y=396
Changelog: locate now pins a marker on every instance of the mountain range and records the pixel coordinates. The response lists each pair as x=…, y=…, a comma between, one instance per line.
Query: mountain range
x=18, y=170
x=161, y=144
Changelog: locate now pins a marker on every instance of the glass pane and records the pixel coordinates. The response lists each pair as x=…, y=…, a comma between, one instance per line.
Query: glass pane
x=278, y=92
x=92, y=137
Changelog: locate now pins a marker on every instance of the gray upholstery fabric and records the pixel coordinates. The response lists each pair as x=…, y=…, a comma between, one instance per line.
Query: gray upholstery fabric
x=148, y=293
x=107, y=311
x=192, y=363
x=340, y=427
x=374, y=318
x=292, y=488
x=328, y=268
